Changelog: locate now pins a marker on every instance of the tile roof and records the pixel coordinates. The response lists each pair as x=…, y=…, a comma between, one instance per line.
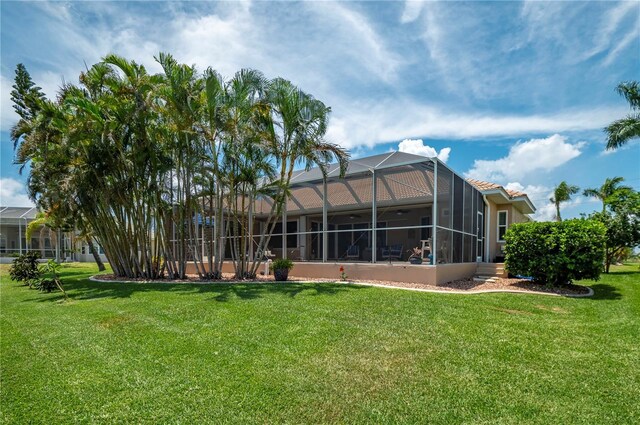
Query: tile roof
x=482, y=186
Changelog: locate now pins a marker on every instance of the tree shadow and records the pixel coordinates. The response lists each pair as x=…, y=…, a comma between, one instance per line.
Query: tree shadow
x=622, y=272
x=602, y=291
x=84, y=290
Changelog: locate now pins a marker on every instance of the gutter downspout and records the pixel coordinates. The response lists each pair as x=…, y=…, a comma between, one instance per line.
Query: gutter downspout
x=486, y=229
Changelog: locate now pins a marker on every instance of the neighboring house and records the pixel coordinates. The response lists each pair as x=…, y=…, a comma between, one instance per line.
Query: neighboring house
x=50, y=244
x=13, y=225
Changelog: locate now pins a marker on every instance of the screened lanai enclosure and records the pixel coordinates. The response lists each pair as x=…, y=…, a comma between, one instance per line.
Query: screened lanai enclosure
x=384, y=207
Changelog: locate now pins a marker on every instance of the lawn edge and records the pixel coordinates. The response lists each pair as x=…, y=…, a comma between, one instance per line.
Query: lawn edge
x=95, y=278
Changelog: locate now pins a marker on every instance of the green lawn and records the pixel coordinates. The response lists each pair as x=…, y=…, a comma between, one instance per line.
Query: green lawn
x=301, y=353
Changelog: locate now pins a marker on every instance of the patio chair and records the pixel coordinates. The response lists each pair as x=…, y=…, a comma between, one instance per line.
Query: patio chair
x=353, y=252
x=426, y=246
x=392, y=252
x=266, y=255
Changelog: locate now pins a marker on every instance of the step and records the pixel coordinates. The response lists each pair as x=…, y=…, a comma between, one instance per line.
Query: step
x=492, y=271
x=484, y=279
x=490, y=266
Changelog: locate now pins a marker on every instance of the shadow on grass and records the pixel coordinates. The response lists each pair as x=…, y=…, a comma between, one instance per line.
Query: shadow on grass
x=84, y=289
x=602, y=291
x=622, y=272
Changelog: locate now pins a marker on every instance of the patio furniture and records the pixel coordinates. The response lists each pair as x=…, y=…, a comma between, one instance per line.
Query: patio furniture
x=426, y=246
x=392, y=252
x=353, y=252
x=266, y=255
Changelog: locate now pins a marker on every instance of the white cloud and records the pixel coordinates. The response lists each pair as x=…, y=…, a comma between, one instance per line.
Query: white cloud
x=608, y=33
x=630, y=37
x=227, y=41
x=8, y=114
x=355, y=36
x=527, y=158
x=412, y=10
x=13, y=193
x=367, y=124
x=417, y=147
x=540, y=196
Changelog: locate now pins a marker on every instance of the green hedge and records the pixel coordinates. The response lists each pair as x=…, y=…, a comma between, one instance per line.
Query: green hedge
x=556, y=253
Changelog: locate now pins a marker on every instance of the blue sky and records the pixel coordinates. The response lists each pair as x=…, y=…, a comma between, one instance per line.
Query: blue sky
x=512, y=92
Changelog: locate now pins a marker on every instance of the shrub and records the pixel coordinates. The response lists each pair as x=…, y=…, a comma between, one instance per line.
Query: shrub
x=45, y=284
x=281, y=264
x=25, y=268
x=556, y=253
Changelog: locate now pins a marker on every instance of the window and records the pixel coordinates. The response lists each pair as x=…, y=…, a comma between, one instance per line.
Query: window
x=292, y=237
x=425, y=232
x=381, y=236
x=502, y=225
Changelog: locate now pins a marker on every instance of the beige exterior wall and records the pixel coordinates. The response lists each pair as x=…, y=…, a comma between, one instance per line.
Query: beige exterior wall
x=449, y=272
x=513, y=216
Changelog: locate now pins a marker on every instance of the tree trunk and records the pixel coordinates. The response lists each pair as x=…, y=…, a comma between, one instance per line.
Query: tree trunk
x=96, y=255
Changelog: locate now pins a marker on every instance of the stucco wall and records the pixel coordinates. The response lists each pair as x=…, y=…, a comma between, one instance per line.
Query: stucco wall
x=513, y=216
x=394, y=272
x=449, y=272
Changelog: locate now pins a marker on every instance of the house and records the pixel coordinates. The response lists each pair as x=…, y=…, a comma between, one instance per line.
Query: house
x=50, y=244
x=504, y=207
x=385, y=206
x=369, y=221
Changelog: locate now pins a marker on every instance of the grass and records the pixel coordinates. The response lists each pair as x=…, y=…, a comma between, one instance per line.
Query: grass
x=317, y=353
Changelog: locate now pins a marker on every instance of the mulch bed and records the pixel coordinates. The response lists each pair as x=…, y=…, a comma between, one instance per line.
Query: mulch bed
x=467, y=285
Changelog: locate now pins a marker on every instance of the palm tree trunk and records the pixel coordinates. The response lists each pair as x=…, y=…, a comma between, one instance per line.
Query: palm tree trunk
x=96, y=255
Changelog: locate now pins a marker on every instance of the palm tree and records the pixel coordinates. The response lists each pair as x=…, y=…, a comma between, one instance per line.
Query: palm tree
x=41, y=222
x=294, y=130
x=605, y=192
x=562, y=193
x=621, y=131
x=133, y=158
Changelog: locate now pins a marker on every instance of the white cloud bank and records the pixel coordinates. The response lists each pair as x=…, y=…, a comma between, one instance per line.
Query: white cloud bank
x=370, y=123
x=540, y=195
x=13, y=193
x=525, y=159
x=417, y=147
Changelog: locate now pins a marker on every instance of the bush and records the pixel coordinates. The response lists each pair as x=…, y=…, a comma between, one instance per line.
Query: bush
x=45, y=285
x=556, y=253
x=281, y=264
x=25, y=268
